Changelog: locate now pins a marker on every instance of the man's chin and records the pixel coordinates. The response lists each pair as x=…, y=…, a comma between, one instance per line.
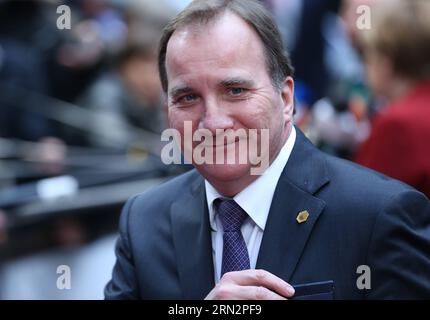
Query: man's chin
x=224, y=172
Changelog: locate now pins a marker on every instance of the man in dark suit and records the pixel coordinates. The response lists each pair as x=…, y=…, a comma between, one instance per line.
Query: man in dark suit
x=309, y=224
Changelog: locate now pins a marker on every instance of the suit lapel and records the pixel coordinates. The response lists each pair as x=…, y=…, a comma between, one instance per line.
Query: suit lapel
x=192, y=242
x=304, y=174
x=284, y=238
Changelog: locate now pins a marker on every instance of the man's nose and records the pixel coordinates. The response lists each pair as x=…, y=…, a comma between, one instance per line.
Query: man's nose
x=216, y=117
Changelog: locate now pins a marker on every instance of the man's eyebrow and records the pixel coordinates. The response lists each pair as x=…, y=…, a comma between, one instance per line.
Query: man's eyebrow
x=176, y=91
x=232, y=82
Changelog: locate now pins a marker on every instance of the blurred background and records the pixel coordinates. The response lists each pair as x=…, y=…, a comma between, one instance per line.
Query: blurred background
x=81, y=112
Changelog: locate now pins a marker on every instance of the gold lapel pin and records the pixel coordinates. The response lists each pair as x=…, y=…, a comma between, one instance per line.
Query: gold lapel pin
x=302, y=216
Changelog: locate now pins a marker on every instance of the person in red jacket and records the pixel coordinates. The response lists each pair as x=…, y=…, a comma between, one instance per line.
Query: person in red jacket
x=397, y=57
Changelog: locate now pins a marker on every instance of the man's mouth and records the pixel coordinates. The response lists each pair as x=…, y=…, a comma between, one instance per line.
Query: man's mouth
x=224, y=144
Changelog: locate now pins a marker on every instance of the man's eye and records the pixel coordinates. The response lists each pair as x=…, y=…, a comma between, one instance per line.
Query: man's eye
x=187, y=98
x=237, y=91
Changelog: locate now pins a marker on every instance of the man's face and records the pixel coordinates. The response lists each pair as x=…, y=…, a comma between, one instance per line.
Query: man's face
x=218, y=79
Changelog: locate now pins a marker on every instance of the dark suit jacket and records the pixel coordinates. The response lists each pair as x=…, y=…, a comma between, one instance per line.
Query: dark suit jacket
x=357, y=217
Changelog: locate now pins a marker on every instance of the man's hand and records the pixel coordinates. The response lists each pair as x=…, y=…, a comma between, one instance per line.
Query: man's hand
x=251, y=285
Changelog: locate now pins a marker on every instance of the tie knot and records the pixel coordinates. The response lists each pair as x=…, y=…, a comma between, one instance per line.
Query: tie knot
x=231, y=214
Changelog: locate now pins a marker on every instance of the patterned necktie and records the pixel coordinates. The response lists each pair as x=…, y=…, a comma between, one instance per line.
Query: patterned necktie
x=235, y=254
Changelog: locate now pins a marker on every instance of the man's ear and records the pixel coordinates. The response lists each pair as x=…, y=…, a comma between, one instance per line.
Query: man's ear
x=287, y=94
x=165, y=108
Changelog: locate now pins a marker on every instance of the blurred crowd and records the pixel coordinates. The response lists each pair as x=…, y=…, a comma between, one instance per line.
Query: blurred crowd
x=362, y=80
x=80, y=121
x=104, y=64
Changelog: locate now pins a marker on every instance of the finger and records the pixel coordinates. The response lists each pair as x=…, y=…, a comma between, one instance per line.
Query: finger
x=237, y=292
x=259, y=278
x=259, y=293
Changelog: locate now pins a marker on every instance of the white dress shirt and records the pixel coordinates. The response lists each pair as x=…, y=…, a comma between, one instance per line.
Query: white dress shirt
x=257, y=208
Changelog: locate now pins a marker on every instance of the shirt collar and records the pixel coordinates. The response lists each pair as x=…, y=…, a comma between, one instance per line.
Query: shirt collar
x=256, y=207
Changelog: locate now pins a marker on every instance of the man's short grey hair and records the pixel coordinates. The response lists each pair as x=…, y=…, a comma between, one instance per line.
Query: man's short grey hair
x=253, y=12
